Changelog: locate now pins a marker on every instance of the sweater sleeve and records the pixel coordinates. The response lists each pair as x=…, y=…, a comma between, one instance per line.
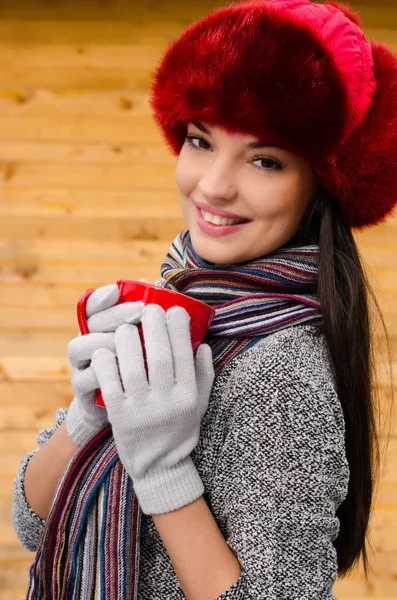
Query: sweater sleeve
x=27, y=524
x=281, y=475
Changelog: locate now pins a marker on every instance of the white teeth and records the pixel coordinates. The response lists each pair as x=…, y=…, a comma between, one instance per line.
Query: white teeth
x=217, y=220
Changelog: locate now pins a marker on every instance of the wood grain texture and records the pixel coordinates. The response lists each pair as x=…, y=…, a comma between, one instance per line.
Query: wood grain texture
x=88, y=195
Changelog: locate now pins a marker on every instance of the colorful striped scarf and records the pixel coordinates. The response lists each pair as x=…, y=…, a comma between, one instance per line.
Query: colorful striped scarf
x=251, y=299
x=90, y=544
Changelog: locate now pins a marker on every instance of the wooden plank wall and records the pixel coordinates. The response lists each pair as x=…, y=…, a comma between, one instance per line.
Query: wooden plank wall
x=87, y=195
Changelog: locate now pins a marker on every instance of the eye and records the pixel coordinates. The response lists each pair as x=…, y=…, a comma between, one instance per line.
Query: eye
x=190, y=138
x=273, y=163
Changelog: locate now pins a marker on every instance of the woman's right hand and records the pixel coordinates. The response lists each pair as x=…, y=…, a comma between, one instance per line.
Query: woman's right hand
x=84, y=418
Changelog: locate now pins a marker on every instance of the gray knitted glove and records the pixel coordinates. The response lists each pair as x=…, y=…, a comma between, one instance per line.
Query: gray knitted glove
x=84, y=418
x=156, y=420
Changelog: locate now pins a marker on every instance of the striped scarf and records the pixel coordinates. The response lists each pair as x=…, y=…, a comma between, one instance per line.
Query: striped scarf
x=90, y=544
x=251, y=299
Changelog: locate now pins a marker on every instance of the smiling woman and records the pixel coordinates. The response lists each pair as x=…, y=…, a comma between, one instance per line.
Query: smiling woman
x=244, y=470
x=219, y=174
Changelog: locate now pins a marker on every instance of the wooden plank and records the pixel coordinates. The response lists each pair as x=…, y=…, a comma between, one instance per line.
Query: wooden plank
x=381, y=33
x=82, y=202
x=388, y=471
x=39, y=342
x=383, y=529
x=120, y=9
x=377, y=257
x=9, y=465
x=90, y=56
x=141, y=130
x=76, y=77
x=18, y=441
x=109, y=31
x=372, y=2
x=41, y=399
x=356, y=588
x=35, y=368
x=31, y=152
x=88, y=277
x=10, y=577
x=24, y=415
x=37, y=318
x=40, y=295
x=89, y=252
x=104, y=228
x=375, y=16
x=8, y=536
x=124, y=175
x=14, y=556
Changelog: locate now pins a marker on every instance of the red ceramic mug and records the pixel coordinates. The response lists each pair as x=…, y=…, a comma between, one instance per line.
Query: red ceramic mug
x=201, y=314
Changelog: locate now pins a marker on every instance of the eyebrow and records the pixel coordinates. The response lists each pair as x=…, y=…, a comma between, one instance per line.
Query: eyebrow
x=207, y=131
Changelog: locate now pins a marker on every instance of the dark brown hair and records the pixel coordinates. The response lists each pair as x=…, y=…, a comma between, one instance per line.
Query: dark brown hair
x=344, y=293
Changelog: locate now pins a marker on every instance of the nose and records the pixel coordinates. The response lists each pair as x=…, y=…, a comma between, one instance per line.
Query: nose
x=218, y=182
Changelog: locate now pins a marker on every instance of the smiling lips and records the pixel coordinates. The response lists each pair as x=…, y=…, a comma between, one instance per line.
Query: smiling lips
x=216, y=225
x=219, y=212
x=217, y=220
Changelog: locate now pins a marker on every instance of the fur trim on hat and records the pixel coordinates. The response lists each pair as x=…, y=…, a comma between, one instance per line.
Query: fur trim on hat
x=362, y=175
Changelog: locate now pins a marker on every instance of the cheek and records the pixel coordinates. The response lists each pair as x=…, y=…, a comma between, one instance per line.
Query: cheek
x=285, y=198
x=184, y=175
x=272, y=204
x=179, y=174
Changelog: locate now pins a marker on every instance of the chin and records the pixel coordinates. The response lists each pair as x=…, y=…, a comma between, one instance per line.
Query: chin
x=203, y=247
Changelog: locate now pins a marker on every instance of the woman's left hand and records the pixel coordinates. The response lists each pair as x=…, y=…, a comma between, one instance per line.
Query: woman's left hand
x=156, y=418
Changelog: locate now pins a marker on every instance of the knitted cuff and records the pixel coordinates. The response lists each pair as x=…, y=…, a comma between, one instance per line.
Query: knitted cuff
x=28, y=526
x=165, y=491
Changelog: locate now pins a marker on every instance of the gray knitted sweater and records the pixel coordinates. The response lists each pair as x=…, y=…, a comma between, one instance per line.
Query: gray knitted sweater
x=272, y=459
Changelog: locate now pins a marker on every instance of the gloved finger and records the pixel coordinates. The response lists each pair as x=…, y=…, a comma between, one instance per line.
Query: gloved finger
x=81, y=348
x=160, y=282
x=158, y=348
x=131, y=361
x=205, y=375
x=84, y=381
x=104, y=364
x=102, y=298
x=111, y=318
x=178, y=325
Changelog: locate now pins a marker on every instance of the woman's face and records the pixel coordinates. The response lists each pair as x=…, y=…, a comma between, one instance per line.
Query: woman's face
x=268, y=186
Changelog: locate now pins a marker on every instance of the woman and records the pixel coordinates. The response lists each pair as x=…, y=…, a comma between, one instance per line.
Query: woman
x=253, y=463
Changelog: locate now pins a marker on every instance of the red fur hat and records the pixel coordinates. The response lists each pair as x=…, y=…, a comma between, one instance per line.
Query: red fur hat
x=297, y=74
